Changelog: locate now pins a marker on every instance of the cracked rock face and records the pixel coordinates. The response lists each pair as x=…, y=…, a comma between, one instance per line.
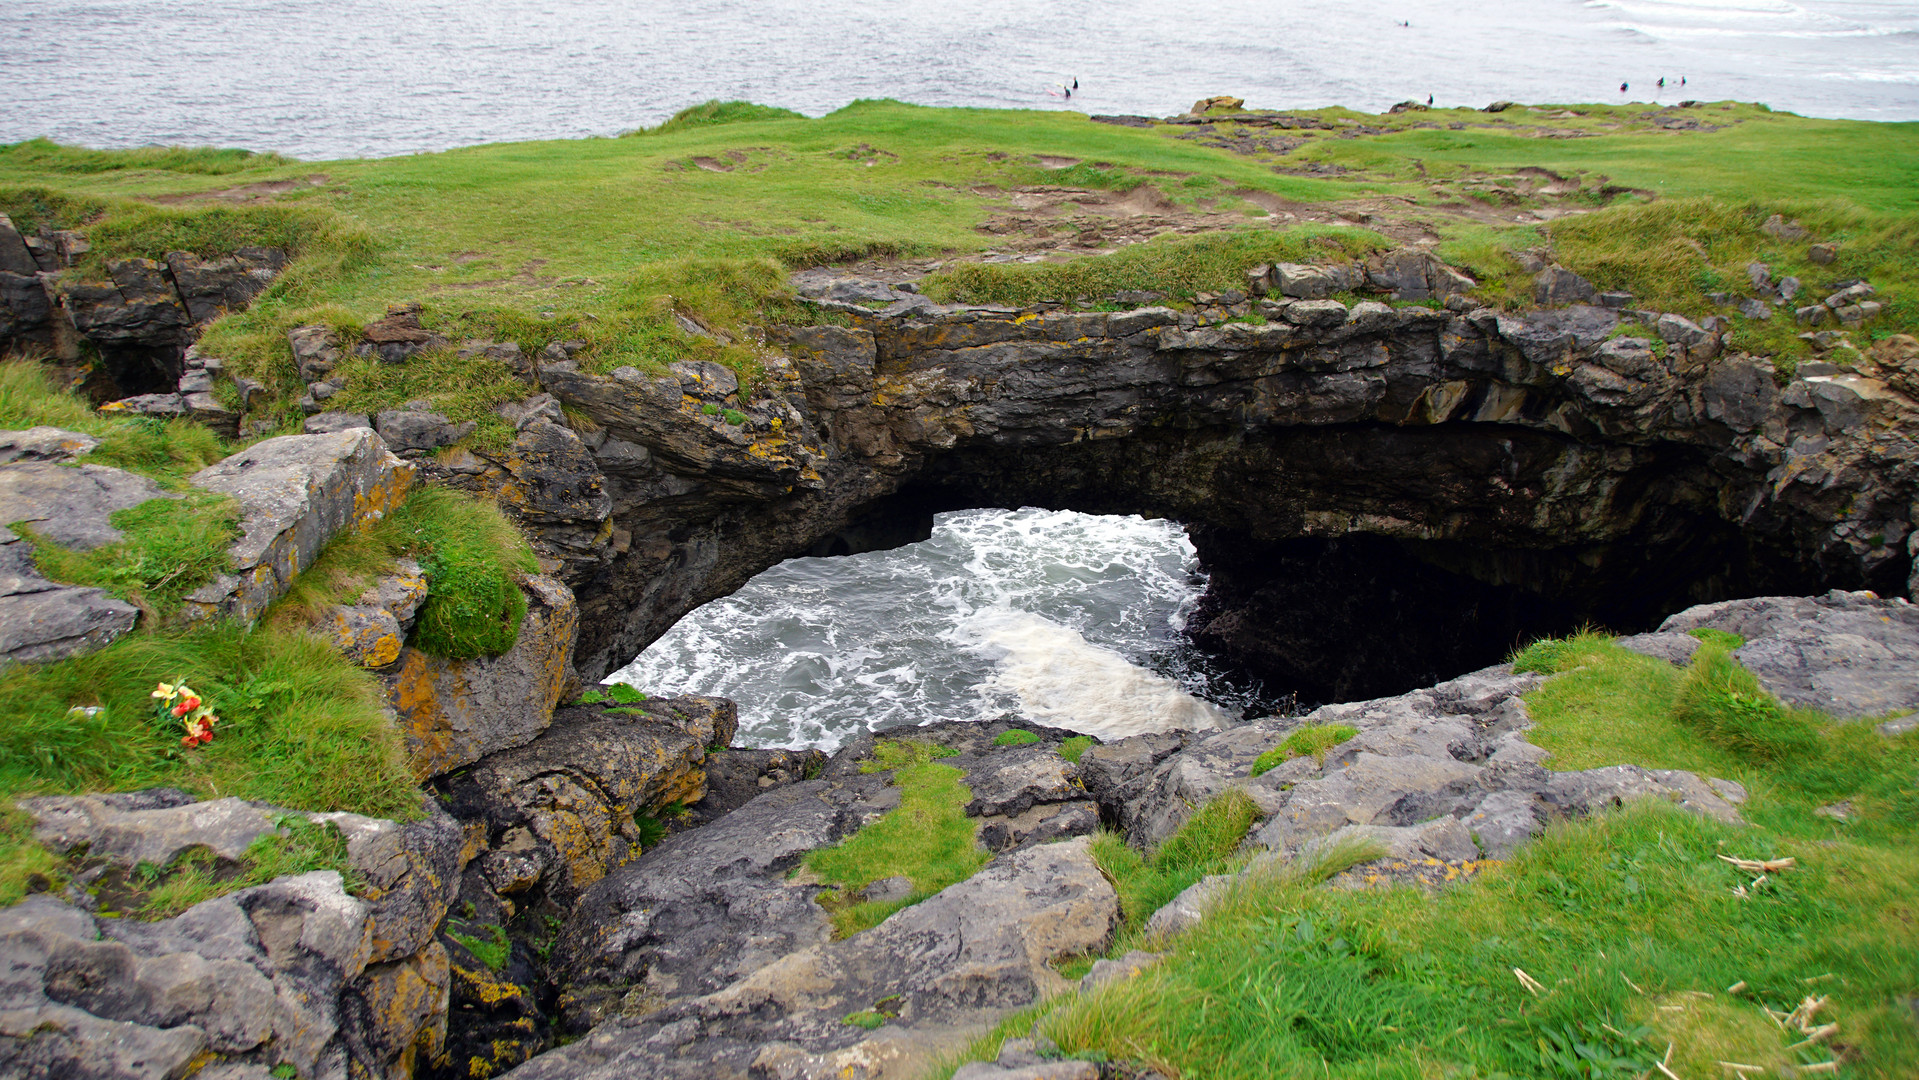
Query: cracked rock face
x=965, y=955
x=295, y=972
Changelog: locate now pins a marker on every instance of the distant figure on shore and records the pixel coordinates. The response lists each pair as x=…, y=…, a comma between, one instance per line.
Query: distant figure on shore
x=1622, y=88
x=1429, y=100
x=1682, y=80
x=1076, y=82
x=1662, y=82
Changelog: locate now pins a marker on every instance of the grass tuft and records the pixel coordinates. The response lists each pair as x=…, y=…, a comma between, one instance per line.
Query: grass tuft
x=715, y=111
x=927, y=838
x=171, y=547
x=1314, y=739
x=473, y=558
x=1725, y=704
x=1015, y=737
x=1072, y=748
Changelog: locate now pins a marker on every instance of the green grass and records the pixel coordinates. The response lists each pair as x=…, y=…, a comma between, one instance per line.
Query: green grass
x=171, y=548
x=1178, y=267
x=927, y=838
x=1208, y=843
x=1627, y=921
x=470, y=554
x=299, y=847
x=167, y=450
x=1015, y=737
x=718, y=112
x=1313, y=739
x=49, y=156
x=618, y=693
x=1072, y=748
x=601, y=240
x=299, y=727
x=489, y=947
x=1725, y=704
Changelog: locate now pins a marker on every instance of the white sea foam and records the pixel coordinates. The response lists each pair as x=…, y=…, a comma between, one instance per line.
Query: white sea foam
x=1064, y=680
x=1067, y=619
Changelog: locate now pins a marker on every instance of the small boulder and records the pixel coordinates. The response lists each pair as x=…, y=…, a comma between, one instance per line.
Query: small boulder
x=1778, y=226
x=329, y=422
x=1556, y=286
x=409, y=429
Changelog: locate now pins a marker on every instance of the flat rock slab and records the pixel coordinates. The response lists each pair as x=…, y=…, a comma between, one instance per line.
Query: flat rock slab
x=958, y=958
x=296, y=493
x=71, y=505
x=44, y=444
x=42, y=620
x=1849, y=654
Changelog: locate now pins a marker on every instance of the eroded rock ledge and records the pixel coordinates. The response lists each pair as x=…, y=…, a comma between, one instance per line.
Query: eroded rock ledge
x=1533, y=469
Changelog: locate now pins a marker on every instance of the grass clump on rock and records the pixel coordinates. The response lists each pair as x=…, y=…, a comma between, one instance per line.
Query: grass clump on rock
x=171, y=547
x=1313, y=739
x=1206, y=844
x=1015, y=737
x=927, y=838
x=472, y=557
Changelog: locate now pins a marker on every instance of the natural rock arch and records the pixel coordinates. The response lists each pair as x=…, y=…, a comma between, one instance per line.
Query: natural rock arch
x=1462, y=477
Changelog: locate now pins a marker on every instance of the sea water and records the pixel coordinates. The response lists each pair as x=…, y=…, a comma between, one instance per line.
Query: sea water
x=379, y=77
x=1066, y=619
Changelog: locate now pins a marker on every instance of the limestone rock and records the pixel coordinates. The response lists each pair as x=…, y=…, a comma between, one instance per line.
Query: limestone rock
x=154, y=826
x=576, y=788
x=1849, y=654
x=44, y=444
x=1556, y=286
x=139, y=307
x=41, y=620
x=711, y=905
x=1107, y=971
x=316, y=349
x=295, y=493
x=328, y=423
x=410, y=430
x=975, y=949
x=454, y=712
x=71, y=506
x=554, y=484
x=261, y=972
x=370, y=637
x=210, y=288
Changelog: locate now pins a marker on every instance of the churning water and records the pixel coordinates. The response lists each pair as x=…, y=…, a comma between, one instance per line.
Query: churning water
x=352, y=78
x=1062, y=618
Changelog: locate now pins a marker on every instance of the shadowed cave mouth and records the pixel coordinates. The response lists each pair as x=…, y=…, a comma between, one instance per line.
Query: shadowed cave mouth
x=922, y=611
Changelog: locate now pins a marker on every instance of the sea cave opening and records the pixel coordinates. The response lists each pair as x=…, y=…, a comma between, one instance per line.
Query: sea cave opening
x=927, y=607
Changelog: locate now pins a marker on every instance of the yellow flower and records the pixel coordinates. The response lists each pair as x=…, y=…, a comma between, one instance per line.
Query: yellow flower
x=165, y=692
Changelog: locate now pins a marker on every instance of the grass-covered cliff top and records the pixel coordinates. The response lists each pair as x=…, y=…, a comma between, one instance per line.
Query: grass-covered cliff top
x=603, y=240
